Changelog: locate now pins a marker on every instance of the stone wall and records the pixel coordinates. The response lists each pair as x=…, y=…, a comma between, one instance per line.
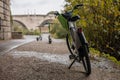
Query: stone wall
x=5, y=28
x=17, y=35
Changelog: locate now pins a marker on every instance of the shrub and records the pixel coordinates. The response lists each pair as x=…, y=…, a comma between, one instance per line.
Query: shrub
x=58, y=31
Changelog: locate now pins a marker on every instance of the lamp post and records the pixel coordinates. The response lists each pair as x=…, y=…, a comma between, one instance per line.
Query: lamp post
x=49, y=27
x=49, y=24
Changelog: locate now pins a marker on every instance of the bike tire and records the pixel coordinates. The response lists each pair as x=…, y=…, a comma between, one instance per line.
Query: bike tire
x=86, y=60
x=68, y=45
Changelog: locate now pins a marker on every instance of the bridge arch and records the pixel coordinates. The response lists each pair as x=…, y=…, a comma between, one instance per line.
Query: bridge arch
x=21, y=23
x=43, y=28
x=33, y=22
x=48, y=21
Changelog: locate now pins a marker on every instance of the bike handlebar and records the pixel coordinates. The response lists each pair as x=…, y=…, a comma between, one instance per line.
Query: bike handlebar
x=75, y=7
x=56, y=13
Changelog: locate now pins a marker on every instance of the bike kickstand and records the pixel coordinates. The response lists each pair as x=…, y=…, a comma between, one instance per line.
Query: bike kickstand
x=72, y=63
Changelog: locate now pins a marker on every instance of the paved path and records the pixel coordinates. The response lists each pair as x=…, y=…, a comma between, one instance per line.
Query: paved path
x=45, y=38
x=6, y=46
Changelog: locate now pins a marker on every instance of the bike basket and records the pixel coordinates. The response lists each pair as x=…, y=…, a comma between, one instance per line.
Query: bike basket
x=63, y=22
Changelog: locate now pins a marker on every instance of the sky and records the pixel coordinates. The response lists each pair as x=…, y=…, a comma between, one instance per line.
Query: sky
x=36, y=6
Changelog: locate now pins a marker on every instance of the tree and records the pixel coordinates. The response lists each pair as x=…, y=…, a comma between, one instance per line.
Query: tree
x=101, y=22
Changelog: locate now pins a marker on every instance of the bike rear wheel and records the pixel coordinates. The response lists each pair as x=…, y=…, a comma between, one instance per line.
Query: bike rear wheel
x=86, y=60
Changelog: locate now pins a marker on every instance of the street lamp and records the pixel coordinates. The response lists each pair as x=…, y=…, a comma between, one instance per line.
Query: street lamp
x=49, y=23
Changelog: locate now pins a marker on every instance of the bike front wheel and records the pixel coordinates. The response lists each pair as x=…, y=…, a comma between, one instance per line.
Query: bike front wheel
x=70, y=45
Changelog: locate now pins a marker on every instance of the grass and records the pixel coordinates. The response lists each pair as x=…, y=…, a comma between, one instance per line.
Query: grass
x=99, y=54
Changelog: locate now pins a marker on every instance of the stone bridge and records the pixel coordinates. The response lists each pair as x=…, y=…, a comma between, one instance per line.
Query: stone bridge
x=32, y=22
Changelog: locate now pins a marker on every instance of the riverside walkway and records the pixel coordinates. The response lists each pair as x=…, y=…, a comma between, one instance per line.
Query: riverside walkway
x=8, y=45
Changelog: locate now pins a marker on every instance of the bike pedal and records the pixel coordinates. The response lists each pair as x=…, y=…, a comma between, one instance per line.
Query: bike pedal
x=72, y=56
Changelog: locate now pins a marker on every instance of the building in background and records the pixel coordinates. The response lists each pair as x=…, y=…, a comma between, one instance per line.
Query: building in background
x=5, y=24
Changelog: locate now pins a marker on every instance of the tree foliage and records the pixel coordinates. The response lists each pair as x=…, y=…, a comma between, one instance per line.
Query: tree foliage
x=57, y=30
x=101, y=22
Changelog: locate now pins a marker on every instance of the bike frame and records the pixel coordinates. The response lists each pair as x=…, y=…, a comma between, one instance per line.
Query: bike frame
x=77, y=35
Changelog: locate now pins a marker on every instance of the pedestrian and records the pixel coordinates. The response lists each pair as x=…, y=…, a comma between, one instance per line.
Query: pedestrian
x=37, y=38
x=49, y=39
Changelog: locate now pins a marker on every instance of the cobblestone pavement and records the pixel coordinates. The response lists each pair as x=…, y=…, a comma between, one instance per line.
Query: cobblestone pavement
x=43, y=61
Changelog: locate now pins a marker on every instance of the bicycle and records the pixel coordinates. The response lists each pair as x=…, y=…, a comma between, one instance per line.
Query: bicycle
x=75, y=39
x=39, y=38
